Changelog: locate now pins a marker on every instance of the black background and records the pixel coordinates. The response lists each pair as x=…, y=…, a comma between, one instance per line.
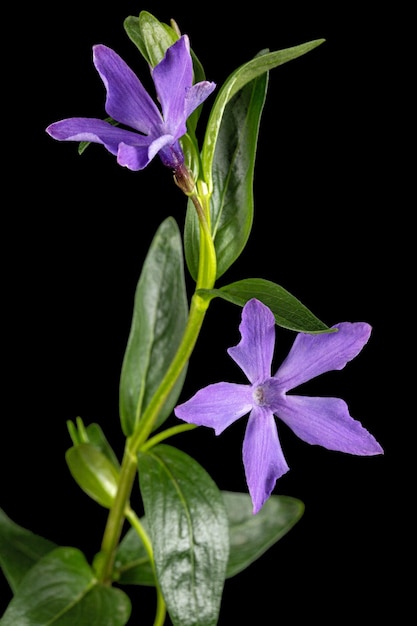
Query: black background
x=77, y=230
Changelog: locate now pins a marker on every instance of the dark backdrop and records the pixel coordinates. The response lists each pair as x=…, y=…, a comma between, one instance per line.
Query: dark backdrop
x=78, y=228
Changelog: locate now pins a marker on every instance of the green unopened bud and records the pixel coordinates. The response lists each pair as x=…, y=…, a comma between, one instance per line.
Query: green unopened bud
x=94, y=473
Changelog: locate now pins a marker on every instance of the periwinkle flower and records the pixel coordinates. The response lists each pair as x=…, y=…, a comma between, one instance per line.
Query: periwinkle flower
x=155, y=131
x=323, y=421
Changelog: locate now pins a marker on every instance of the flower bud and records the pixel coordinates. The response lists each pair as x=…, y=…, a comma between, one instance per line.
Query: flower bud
x=93, y=472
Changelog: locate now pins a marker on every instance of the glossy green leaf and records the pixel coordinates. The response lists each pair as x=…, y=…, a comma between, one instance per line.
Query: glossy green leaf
x=61, y=590
x=159, y=318
x=251, y=535
x=20, y=549
x=231, y=205
x=288, y=311
x=236, y=81
x=93, y=472
x=188, y=527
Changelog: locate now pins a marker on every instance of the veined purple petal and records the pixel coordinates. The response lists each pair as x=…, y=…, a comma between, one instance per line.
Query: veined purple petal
x=96, y=131
x=196, y=94
x=127, y=100
x=254, y=352
x=262, y=456
x=216, y=406
x=172, y=77
x=312, y=355
x=326, y=422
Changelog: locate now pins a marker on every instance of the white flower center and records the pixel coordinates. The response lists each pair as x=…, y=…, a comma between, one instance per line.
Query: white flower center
x=259, y=395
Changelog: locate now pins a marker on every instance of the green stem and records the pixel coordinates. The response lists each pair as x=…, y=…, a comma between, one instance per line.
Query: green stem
x=160, y=602
x=198, y=308
x=165, y=434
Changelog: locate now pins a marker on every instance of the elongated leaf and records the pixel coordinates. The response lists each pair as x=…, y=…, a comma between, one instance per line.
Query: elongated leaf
x=189, y=531
x=251, y=535
x=20, y=549
x=236, y=81
x=61, y=590
x=159, y=318
x=231, y=208
x=289, y=312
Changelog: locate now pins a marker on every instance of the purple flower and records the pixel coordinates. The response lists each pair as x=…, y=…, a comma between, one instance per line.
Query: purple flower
x=155, y=131
x=322, y=421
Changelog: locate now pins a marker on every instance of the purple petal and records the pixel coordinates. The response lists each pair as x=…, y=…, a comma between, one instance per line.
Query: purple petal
x=96, y=131
x=255, y=351
x=262, y=456
x=326, y=422
x=158, y=144
x=196, y=94
x=216, y=406
x=312, y=355
x=172, y=77
x=133, y=157
x=127, y=100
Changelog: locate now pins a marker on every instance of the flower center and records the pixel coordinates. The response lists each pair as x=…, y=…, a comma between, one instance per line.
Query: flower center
x=259, y=395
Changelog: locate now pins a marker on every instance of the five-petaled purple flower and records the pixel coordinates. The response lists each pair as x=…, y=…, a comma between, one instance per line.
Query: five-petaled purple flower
x=323, y=421
x=155, y=131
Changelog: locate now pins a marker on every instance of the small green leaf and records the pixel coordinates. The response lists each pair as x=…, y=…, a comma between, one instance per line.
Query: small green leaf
x=231, y=204
x=93, y=472
x=159, y=319
x=189, y=532
x=132, y=565
x=287, y=309
x=156, y=36
x=61, y=590
x=20, y=549
x=132, y=28
x=97, y=437
x=236, y=81
x=93, y=434
x=252, y=535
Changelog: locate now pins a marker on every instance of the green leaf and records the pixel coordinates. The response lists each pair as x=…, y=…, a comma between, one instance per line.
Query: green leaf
x=132, y=28
x=159, y=319
x=93, y=434
x=231, y=208
x=236, y=81
x=287, y=309
x=97, y=437
x=93, y=472
x=251, y=535
x=150, y=36
x=189, y=532
x=20, y=549
x=61, y=590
